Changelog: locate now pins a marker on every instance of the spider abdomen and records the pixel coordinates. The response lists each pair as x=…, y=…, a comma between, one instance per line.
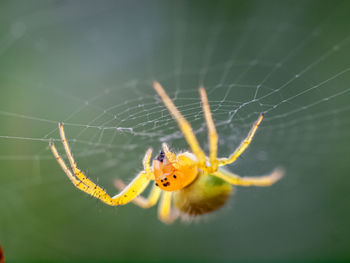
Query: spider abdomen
x=206, y=194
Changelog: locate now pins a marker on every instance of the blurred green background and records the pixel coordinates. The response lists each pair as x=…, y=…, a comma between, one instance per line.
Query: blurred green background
x=91, y=64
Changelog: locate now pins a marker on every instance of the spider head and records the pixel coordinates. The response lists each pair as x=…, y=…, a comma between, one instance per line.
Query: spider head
x=175, y=172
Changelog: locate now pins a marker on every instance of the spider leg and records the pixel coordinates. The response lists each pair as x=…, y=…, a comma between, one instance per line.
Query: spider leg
x=170, y=155
x=212, y=134
x=244, y=144
x=184, y=125
x=139, y=200
x=93, y=191
x=137, y=185
x=266, y=180
x=132, y=190
x=79, y=179
x=79, y=174
x=93, y=188
x=164, y=209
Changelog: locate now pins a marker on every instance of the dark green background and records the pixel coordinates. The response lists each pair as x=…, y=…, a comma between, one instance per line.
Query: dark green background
x=84, y=62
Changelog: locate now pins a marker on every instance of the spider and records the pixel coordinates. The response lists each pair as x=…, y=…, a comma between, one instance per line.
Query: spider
x=192, y=182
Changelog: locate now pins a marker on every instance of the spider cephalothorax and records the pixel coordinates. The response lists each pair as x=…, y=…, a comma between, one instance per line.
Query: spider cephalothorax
x=192, y=182
x=175, y=174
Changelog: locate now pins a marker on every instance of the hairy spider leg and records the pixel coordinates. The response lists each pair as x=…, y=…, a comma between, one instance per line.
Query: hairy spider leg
x=170, y=155
x=265, y=180
x=184, y=125
x=63, y=164
x=73, y=164
x=212, y=134
x=96, y=192
x=148, y=202
x=164, y=209
x=244, y=144
x=136, y=187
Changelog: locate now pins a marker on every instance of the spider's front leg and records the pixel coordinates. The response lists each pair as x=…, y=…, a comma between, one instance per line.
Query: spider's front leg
x=184, y=125
x=212, y=134
x=80, y=181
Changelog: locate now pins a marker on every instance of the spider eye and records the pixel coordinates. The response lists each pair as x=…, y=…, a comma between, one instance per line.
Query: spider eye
x=160, y=156
x=174, y=176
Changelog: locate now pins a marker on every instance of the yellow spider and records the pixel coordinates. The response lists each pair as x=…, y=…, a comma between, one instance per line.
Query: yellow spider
x=193, y=182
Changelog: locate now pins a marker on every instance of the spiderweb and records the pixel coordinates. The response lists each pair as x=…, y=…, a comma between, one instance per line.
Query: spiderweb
x=93, y=70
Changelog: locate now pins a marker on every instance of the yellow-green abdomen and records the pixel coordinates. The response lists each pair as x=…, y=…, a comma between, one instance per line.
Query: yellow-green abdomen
x=206, y=194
